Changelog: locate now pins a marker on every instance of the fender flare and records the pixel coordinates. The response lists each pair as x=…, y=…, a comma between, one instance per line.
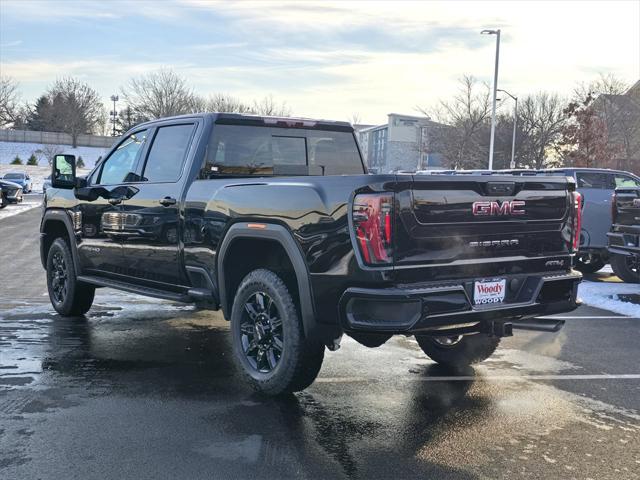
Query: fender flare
x=59, y=216
x=283, y=236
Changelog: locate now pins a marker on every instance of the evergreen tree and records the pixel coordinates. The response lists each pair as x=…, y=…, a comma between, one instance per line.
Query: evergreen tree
x=33, y=160
x=16, y=161
x=39, y=117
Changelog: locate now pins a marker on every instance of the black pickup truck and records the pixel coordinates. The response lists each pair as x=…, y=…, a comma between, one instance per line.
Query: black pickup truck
x=276, y=222
x=624, y=237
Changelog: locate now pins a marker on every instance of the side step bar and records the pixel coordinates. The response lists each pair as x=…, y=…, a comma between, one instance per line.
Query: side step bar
x=539, y=325
x=140, y=290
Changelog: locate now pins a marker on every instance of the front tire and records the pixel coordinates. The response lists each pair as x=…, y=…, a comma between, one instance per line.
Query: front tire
x=458, y=351
x=626, y=267
x=589, y=262
x=268, y=338
x=69, y=297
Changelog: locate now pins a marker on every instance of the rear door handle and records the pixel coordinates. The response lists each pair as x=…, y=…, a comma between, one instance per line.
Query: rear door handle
x=167, y=201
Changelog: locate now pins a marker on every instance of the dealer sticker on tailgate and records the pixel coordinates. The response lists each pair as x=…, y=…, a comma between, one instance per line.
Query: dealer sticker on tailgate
x=489, y=291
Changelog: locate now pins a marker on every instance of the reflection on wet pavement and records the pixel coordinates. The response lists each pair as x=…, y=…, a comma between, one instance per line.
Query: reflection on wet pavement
x=149, y=388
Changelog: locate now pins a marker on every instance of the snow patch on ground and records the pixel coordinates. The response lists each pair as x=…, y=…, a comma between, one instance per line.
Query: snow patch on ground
x=605, y=295
x=14, y=209
x=9, y=151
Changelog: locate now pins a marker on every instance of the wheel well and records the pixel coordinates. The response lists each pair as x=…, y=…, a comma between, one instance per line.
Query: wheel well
x=247, y=254
x=53, y=229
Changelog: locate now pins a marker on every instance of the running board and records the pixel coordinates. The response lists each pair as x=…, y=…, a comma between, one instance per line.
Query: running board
x=140, y=290
x=539, y=325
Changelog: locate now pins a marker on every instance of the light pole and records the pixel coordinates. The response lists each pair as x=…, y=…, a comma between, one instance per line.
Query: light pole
x=495, y=87
x=515, y=122
x=114, y=113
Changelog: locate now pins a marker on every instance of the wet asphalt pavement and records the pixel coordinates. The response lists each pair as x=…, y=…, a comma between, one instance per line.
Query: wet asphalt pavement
x=142, y=389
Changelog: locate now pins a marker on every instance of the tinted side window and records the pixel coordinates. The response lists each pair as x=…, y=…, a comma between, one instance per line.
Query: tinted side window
x=168, y=153
x=595, y=180
x=626, y=181
x=122, y=162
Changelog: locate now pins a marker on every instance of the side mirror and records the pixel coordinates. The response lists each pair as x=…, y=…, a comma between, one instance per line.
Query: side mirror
x=63, y=172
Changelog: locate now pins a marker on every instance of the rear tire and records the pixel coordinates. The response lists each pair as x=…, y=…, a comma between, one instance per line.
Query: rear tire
x=69, y=297
x=460, y=352
x=589, y=262
x=268, y=337
x=3, y=200
x=626, y=267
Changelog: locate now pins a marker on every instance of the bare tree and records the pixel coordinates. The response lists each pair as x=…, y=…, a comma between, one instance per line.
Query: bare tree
x=542, y=119
x=605, y=84
x=620, y=115
x=460, y=138
x=49, y=151
x=221, y=102
x=269, y=107
x=9, y=109
x=355, y=118
x=160, y=94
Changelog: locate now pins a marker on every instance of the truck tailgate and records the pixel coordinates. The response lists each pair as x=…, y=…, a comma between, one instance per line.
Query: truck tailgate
x=447, y=219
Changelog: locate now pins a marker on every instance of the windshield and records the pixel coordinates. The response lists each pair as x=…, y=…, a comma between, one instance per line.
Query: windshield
x=17, y=176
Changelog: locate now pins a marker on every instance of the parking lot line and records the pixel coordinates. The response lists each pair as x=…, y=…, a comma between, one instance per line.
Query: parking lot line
x=469, y=378
x=585, y=316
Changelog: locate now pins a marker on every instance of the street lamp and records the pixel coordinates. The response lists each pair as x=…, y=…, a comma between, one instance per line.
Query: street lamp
x=495, y=87
x=515, y=121
x=114, y=113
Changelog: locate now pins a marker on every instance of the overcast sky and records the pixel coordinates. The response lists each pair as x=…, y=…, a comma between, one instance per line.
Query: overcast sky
x=324, y=59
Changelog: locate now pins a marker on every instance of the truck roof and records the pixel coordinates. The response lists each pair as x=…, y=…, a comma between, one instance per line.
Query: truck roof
x=260, y=120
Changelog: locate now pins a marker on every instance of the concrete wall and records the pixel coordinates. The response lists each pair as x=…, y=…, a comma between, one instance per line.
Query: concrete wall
x=55, y=138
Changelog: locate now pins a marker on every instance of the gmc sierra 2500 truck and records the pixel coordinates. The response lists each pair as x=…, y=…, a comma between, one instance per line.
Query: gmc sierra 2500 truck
x=624, y=238
x=276, y=222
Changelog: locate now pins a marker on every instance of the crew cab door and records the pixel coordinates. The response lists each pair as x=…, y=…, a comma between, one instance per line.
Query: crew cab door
x=99, y=221
x=596, y=189
x=152, y=237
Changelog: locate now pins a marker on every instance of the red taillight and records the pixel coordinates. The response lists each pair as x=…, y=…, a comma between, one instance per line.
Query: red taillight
x=373, y=224
x=577, y=220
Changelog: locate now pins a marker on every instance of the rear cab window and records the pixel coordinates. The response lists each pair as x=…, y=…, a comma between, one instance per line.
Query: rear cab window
x=247, y=150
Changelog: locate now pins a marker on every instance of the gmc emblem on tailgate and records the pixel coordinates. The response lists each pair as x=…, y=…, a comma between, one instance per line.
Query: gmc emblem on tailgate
x=514, y=207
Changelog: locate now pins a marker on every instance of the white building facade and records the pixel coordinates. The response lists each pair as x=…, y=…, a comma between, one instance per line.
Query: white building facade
x=402, y=144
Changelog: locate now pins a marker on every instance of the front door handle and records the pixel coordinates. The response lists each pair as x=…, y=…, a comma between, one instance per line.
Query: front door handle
x=167, y=201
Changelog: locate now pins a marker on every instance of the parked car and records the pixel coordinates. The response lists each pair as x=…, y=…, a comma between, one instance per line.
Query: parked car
x=10, y=192
x=22, y=179
x=46, y=184
x=596, y=185
x=624, y=238
x=276, y=222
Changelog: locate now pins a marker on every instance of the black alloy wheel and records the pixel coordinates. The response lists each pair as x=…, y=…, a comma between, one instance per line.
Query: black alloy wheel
x=261, y=332
x=59, y=278
x=68, y=296
x=268, y=338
